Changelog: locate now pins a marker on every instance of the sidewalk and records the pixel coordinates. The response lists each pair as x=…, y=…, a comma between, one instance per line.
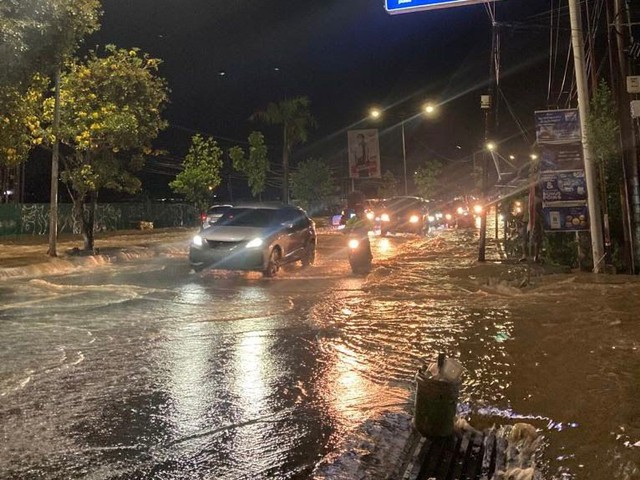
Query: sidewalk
x=26, y=255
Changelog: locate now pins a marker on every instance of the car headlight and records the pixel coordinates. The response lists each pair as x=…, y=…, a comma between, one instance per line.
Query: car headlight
x=197, y=241
x=370, y=215
x=384, y=217
x=353, y=243
x=256, y=242
x=414, y=219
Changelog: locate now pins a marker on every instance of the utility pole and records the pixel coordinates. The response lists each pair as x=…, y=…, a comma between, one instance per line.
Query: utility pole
x=593, y=197
x=53, y=205
x=487, y=104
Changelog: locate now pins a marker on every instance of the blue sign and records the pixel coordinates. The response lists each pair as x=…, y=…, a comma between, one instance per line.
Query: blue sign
x=563, y=186
x=566, y=219
x=556, y=127
x=408, y=6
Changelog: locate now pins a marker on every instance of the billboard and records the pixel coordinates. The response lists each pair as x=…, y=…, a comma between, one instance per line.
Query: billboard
x=407, y=6
x=364, y=153
x=562, y=178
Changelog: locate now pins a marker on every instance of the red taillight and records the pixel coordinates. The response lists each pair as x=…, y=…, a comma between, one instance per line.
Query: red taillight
x=203, y=217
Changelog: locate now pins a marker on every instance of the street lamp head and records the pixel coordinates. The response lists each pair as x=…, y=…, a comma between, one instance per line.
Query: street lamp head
x=429, y=108
x=490, y=146
x=375, y=113
x=533, y=156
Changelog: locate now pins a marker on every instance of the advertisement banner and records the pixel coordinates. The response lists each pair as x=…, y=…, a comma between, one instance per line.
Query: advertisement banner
x=563, y=186
x=562, y=179
x=561, y=157
x=364, y=153
x=555, y=127
x=566, y=219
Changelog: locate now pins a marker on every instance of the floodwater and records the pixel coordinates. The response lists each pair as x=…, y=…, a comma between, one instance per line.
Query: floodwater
x=145, y=370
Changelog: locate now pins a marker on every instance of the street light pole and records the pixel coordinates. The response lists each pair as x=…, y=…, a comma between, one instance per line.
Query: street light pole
x=404, y=159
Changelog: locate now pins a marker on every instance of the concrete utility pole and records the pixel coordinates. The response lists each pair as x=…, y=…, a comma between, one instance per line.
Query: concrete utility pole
x=593, y=197
x=53, y=205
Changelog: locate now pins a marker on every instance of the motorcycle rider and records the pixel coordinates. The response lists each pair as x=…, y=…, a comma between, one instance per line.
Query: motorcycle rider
x=359, y=226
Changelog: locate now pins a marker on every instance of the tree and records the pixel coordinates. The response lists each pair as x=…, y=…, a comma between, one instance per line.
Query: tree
x=604, y=135
x=37, y=35
x=389, y=186
x=20, y=127
x=426, y=177
x=312, y=182
x=112, y=113
x=254, y=166
x=201, y=174
x=296, y=119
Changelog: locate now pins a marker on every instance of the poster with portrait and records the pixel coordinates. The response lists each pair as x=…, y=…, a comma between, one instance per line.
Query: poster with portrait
x=364, y=153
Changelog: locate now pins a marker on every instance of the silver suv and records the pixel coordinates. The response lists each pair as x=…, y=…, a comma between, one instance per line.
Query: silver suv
x=260, y=237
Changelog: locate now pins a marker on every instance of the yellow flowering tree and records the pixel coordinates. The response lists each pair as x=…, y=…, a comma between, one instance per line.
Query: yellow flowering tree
x=112, y=113
x=20, y=128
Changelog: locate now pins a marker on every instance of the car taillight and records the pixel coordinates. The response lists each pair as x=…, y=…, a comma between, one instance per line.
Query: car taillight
x=203, y=217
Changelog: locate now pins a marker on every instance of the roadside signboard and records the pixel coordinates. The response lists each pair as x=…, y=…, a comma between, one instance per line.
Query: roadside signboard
x=364, y=153
x=558, y=127
x=563, y=186
x=562, y=178
x=566, y=219
x=408, y=6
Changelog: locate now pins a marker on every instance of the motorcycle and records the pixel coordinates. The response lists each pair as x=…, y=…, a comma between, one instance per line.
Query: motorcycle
x=359, y=251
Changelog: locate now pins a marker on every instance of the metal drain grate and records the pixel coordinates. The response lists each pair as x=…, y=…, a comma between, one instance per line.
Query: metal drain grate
x=469, y=455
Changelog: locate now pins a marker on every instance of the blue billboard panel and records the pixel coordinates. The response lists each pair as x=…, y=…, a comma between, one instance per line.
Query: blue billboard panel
x=566, y=219
x=563, y=186
x=555, y=127
x=408, y=6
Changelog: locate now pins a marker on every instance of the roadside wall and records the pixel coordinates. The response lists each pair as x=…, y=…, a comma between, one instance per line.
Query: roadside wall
x=16, y=219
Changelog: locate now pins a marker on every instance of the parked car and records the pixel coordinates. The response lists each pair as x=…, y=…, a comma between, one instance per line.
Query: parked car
x=259, y=237
x=213, y=214
x=404, y=214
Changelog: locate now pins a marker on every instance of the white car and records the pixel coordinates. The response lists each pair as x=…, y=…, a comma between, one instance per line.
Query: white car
x=259, y=237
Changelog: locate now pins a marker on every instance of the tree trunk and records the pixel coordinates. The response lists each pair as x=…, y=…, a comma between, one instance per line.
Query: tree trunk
x=88, y=223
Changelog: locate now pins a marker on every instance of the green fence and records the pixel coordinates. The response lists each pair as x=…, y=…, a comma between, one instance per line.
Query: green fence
x=34, y=218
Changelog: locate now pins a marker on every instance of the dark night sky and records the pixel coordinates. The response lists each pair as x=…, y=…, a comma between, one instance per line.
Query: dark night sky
x=346, y=56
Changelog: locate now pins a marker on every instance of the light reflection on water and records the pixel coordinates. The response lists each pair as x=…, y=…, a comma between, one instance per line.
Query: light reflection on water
x=231, y=375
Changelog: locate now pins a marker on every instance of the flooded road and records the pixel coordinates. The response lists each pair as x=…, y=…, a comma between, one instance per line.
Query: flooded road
x=145, y=370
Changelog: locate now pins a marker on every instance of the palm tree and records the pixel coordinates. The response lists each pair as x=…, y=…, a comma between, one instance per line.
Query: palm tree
x=294, y=115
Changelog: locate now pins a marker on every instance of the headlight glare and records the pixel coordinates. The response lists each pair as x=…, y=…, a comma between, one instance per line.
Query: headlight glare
x=414, y=219
x=353, y=243
x=256, y=242
x=197, y=241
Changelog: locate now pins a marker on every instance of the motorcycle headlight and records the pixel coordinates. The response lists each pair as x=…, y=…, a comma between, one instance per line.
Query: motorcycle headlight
x=197, y=241
x=414, y=219
x=256, y=242
x=384, y=217
x=353, y=243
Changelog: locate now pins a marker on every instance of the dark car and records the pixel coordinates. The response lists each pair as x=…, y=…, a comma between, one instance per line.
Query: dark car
x=259, y=237
x=404, y=214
